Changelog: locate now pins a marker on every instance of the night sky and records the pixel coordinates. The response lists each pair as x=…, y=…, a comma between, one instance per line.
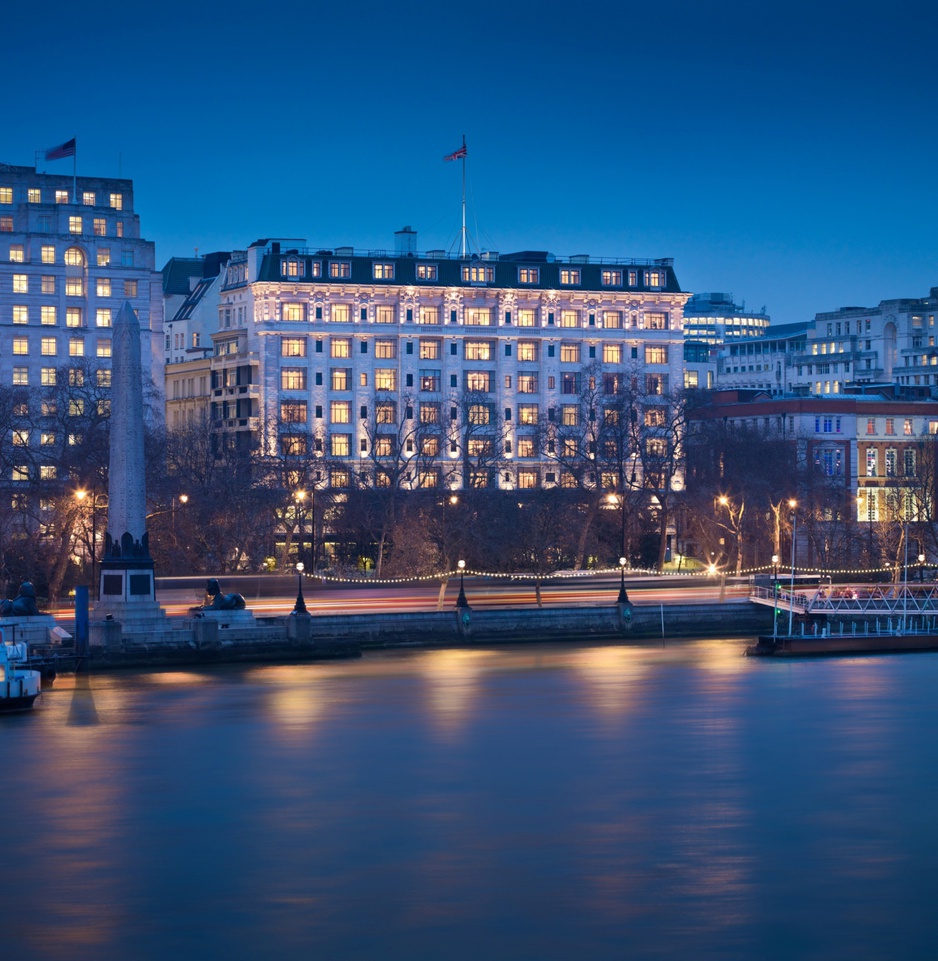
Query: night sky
x=787, y=153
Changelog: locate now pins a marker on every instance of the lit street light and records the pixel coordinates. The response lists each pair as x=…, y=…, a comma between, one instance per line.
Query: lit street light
x=792, y=503
x=300, y=606
x=775, y=596
x=461, y=600
x=623, y=598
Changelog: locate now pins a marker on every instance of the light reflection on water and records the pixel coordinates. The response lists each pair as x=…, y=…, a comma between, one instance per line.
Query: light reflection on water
x=594, y=802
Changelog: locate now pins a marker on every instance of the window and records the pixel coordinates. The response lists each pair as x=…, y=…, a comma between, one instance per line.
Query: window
x=340, y=378
x=907, y=427
x=478, y=350
x=656, y=383
x=429, y=412
x=891, y=459
x=527, y=382
x=73, y=317
x=99, y=227
x=20, y=314
x=88, y=198
x=890, y=425
x=430, y=380
x=908, y=462
x=102, y=317
x=104, y=257
x=528, y=275
x=525, y=318
x=612, y=319
x=61, y=196
x=17, y=254
x=120, y=228
x=569, y=383
x=569, y=277
x=20, y=376
x=871, y=461
x=34, y=195
x=654, y=278
x=20, y=345
x=292, y=346
x=293, y=411
x=384, y=315
x=103, y=347
x=341, y=347
x=293, y=311
x=480, y=414
x=341, y=445
x=20, y=284
x=426, y=272
x=691, y=379
x=292, y=268
x=74, y=287
x=117, y=201
x=76, y=347
x=385, y=378
x=428, y=315
x=527, y=414
x=74, y=257
x=569, y=415
x=478, y=274
x=612, y=278
x=386, y=412
x=340, y=411
x=383, y=271
x=48, y=346
x=478, y=317
x=527, y=350
x=74, y=225
x=47, y=377
x=656, y=355
x=479, y=380
x=612, y=353
x=130, y=288
x=293, y=378
x=47, y=254
x=656, y=321
x=871, y=425
x=385, y=349
x=339, y=313
x=340, y=269
x=569, y=353
x=526, y=446
x=430, y=349
x=569, y=318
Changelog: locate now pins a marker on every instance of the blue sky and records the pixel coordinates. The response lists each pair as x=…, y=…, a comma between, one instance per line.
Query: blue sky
x=783, y=152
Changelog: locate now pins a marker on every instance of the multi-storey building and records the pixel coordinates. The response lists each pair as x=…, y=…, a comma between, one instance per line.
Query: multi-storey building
x=714, y=318
x=71, y=255
x=344, y=349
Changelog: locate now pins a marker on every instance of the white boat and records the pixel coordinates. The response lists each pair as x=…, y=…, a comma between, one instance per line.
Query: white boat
x=19, y=686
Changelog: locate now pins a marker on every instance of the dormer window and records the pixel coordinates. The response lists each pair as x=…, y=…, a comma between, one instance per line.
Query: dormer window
x=528, y=275
x=292, y=268
x=383, y=271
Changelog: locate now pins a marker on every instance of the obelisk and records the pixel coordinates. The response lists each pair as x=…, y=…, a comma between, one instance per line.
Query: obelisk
x=126, y=584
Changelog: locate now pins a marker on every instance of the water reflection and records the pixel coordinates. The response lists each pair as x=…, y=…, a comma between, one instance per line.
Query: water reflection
x=550, y=802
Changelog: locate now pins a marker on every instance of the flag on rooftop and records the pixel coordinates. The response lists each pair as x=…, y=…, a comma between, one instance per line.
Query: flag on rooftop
x=457, y=155
x=66, y=149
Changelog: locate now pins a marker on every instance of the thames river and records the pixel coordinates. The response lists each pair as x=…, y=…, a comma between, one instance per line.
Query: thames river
x=594, y=802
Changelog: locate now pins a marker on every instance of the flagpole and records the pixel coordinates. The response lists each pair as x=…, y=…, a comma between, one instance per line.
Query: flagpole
x=463, y=245
x=75, y=173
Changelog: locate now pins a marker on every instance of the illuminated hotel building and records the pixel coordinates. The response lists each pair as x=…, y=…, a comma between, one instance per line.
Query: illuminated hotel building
x=713, y=318
x=70, y=256
x=342, y=350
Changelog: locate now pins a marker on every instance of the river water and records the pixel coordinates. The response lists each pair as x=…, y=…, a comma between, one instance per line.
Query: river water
x=593, y=802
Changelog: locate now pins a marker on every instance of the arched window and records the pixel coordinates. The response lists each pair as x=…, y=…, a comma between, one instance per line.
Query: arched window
x=75, y=257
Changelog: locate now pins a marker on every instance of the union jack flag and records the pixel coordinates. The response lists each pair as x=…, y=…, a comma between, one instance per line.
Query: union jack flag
x=458, y=155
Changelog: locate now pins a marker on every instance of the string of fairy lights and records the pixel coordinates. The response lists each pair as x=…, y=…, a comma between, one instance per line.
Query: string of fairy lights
x=782, y=573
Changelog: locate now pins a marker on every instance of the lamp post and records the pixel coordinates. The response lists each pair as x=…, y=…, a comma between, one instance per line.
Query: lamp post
x=300, y=606
x=794, y=536
x=80, y=496
x=921, y=567
x=461, y=600
x=183, y=500
x=301, y=523
x=623, y=598
x=774, y=596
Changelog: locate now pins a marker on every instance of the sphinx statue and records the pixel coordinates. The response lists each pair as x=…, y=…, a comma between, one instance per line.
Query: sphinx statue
x=23, y=605
x=216, y=601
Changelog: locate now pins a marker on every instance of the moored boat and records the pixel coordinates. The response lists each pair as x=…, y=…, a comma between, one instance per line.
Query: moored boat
x=19, y=686
x=808, y=644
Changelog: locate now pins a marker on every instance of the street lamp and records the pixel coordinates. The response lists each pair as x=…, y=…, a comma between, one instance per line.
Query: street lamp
x=80, y=496
x=461, y=600
x=301, y=519
x=792, y=503
x=921, y=567
x=300, y=606
x=623, y=598
x=774, y=596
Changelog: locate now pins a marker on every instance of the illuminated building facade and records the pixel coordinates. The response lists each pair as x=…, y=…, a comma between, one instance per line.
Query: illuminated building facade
x=356, y=359
x=713, y=318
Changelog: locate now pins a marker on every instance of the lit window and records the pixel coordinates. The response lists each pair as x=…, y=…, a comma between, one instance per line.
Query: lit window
x=528, y=275
x=384, y=315
x=478, y=317
x=478, y=350
x=890, y=425
x=103, y=287
x=293, y=378
x=48, y=345
x=73, y=317
x=656, y=321
x=20, y=376
x=339, y=313
x=478, y=275
x=46, y=438
x=74, y=225
x=76, y=377
x=293, y=411
x=526, y=447
x=386, y=412
x=47, y=316
x=653, y=278
x=293, y=347
x=340, y=411
x=61, y=196
x=656, y=355
x=525, y=318
x=340, y=269
x=74, y=257
x=20, y=473
x=568, y=318
x=340, y=378
x=292, y=268
x=99, y=227
x=570, y=353
x=47, y=377
x=117, y=201
x=430, y=349
x=74, y=286
x=385, y=378
x=612, y=278
x=130, y=288
x=612, y=319
x=527, y=350
x=6, y=227
x=16, y=254
x=384, y=271
x=527, y=413
x=385, y=349
x=20, y=345
x=569, y=277
x=104, y=377
x=426, y=271
x=907, y=427
x=293, y=311
x=527, y=383
x=103, y=348
x=88, y=198
x=120, y=228
x=34, y=195
x=104, y=256
x=871, y=425
x=429, y=380
x=47, y=284
x=103, y=317
x=341, y=445
x=20, y=284
x=6, y=195
x=20, y=314
x=428, y=315
x=76, y=347
x=479, y=380
x=612, y=353
x=341, y=347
